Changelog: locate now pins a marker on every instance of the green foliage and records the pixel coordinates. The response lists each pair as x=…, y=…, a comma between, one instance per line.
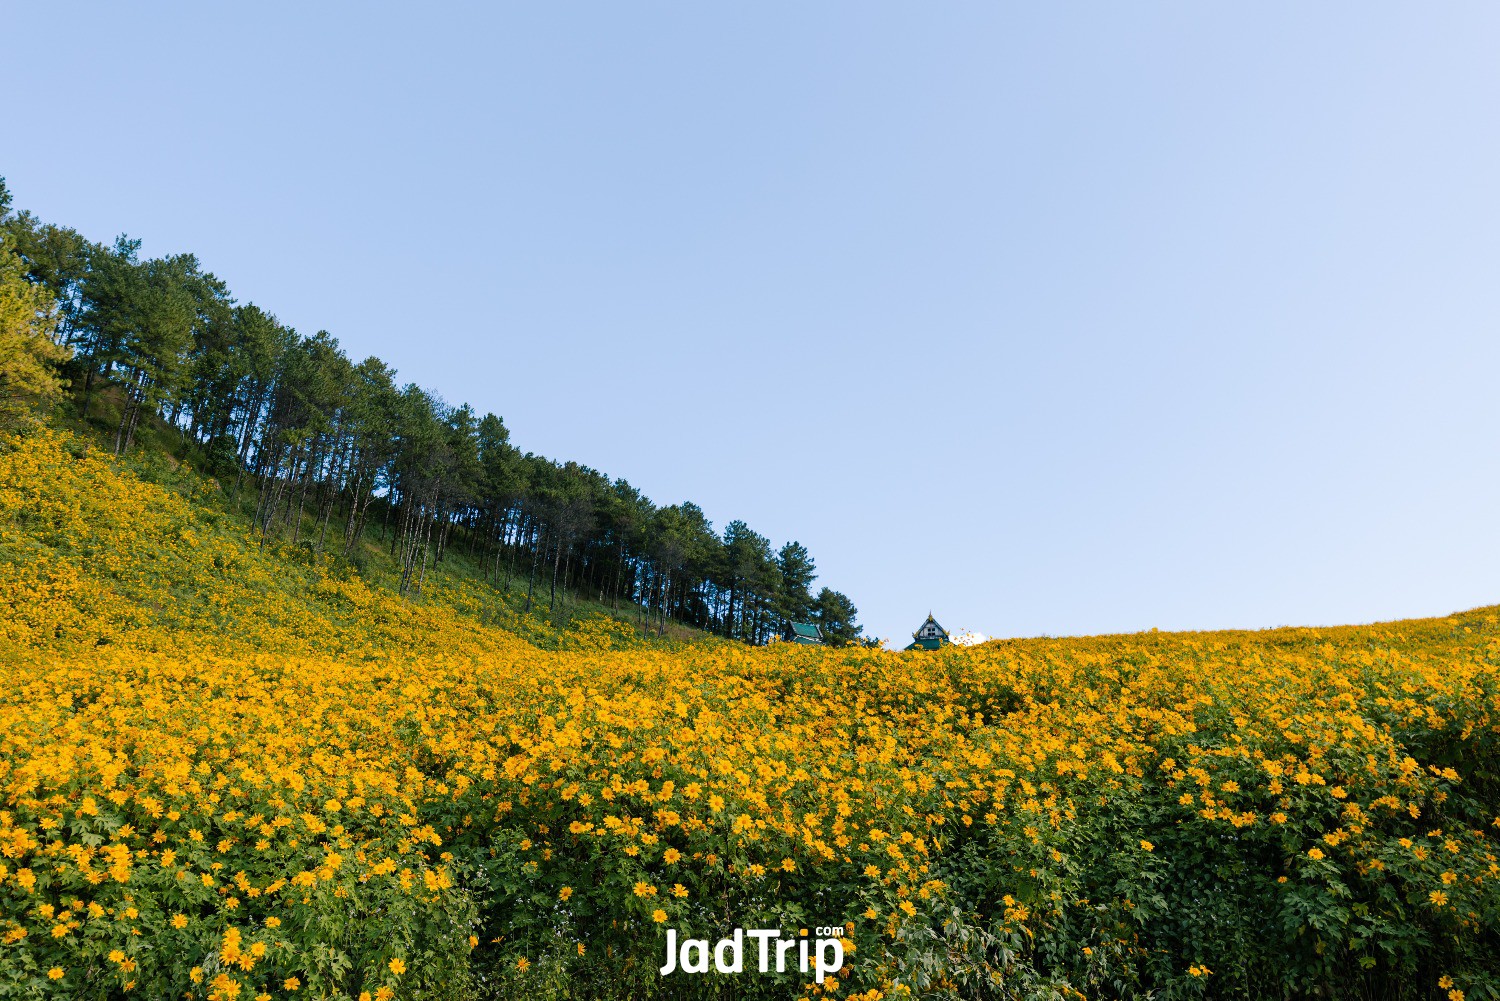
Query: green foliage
x=835, y=615
x=29, y=359
x=162, y=356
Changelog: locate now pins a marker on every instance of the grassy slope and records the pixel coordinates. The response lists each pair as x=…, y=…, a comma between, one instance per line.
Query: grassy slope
x=168, y=547
x=1083, y=750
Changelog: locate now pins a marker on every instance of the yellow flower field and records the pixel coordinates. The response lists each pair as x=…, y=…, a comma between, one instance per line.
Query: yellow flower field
x=230, y=773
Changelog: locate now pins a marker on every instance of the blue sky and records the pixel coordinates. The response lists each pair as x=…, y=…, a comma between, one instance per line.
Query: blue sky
x=1050, y=318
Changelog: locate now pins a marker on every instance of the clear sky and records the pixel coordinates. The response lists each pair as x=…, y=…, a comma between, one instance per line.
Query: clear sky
x=1048, y=317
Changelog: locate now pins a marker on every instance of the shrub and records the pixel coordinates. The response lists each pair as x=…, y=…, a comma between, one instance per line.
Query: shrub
x=229, y=776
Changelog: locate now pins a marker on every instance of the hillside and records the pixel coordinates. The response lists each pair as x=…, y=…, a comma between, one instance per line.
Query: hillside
x=147, y=552
x=157, y=356
x=238, y=772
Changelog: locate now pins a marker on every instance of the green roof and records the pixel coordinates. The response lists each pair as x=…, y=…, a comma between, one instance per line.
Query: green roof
x=805, y=632
x=920, y=642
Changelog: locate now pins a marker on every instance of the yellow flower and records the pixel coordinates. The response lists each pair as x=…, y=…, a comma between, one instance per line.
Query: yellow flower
x=340, y=741
x=397, y=966
x=56, y=973
x=291, y=984
x=659, y=915
x=523, y=964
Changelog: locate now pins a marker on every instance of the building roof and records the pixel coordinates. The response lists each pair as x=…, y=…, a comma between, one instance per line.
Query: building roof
x=920, y=642
x=805, y=632
x=941, y=631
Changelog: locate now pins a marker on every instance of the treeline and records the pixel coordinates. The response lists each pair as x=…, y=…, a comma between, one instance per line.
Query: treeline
x=334, y=453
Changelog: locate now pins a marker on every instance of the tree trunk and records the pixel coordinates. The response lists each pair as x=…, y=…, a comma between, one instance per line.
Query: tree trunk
x=531, y=579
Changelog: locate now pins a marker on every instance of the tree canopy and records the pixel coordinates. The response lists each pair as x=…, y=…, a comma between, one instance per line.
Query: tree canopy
x=319, y=440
